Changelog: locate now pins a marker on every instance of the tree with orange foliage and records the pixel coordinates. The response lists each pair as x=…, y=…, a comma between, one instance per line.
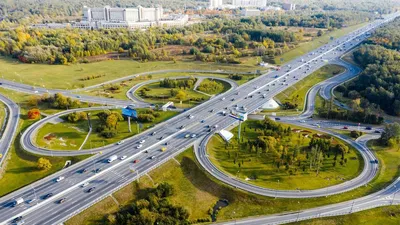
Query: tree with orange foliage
x=33, y=114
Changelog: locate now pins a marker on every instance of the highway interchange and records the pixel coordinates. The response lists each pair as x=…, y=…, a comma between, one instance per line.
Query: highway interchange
x=117, y=174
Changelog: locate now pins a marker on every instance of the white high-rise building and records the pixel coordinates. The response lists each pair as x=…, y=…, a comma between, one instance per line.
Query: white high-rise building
x=249, y=3
x=215, y=4
x=108, y=14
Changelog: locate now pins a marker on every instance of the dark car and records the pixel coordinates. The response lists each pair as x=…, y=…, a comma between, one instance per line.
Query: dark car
x=90, y=190
x=97, y=170
x=47, y=195
x=368, y=128
x=84, y=171
x=17, y=219
x=277, y=118
x=377, y=132
x=62, y=200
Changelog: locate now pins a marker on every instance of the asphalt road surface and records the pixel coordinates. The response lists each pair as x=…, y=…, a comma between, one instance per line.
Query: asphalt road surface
x=11, y=125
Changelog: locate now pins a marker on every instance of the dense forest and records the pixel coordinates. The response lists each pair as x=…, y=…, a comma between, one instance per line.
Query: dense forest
x=216, y=40
x=153, y=208
x=379, y=83
x=380, y=6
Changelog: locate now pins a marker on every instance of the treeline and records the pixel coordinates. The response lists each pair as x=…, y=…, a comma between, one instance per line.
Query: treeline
x=147, y=116
x=378, y=86
x=181, y=83
x=391, y=136
x=153, y=208
x=326, y=20
x=381, y=6
x=232, y=38
x=57, y=101
x=211, y=86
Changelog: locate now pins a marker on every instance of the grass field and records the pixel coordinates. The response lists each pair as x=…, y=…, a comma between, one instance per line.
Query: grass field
x=69, y=77
x=305, y=47
x=20, y=168
x=197, y=192
x=263, y=165
x=70, y=136
x=163, y=95
x=297, y=93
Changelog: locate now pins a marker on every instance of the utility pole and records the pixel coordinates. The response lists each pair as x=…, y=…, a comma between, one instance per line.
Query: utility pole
x=89, y=122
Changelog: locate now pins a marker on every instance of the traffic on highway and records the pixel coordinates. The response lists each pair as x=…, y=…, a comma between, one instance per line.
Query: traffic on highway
x=59, y=196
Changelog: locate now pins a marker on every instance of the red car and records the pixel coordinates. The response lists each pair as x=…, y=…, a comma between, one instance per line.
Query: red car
x=136, y=161
x=345, y=128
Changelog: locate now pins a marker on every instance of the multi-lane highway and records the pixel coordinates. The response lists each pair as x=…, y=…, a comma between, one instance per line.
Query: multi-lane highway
x=170, y=135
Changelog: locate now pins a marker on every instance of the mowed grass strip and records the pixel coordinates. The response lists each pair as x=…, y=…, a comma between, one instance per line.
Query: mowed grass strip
x=70, y=136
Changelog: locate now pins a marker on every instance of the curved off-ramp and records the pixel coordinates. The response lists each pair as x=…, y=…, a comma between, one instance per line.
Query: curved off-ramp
x=10, y=126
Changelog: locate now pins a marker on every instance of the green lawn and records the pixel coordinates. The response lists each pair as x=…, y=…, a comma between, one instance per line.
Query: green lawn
x=67, y=135
x=306, y=47
x=260, y=168
x=297, y=93
x=164, y=96
x=69, y=77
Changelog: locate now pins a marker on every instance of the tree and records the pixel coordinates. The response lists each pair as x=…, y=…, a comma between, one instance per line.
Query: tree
x=181, y=95
x=33, y=114
x=44, y=164
x=391, y=131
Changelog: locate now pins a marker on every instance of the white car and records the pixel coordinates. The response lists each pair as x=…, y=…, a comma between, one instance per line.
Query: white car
x=123, y=157
x=139, y=146
x=142, y=141
x=120, y=142
x=302, y=121
x=85, y=184
x=193, y=135
x=60, y=178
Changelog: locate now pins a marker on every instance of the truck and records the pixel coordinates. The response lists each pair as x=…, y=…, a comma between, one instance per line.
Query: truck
x=112, y=158
x=18, y=201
